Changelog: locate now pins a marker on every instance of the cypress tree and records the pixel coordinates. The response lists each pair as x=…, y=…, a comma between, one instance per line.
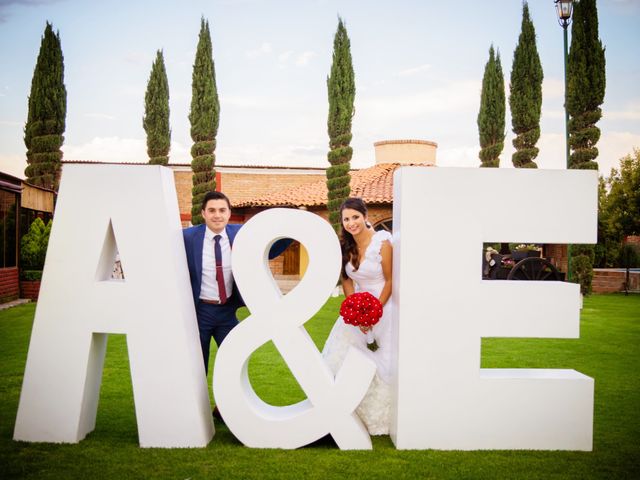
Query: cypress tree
x=525, y=98
x=586, y=82
x=156, y=113
x=341, y=92
x=204, y=118
x=586, y=85
x=43, y=132
x=491, y=118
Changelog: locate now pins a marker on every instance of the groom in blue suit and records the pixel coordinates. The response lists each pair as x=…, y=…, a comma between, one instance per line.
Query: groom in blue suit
x=208, y=248
x=216, y=301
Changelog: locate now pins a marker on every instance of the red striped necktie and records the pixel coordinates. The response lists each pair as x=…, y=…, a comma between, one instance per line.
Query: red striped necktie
x=219, y=273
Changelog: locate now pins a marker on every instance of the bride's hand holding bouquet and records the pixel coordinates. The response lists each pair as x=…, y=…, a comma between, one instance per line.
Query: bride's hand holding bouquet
x=362, y=310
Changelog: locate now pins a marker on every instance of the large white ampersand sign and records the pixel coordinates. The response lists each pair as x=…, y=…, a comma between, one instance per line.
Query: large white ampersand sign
x=331, y=401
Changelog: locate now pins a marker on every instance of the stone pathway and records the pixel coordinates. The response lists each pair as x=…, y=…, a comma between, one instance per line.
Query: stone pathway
x=14, y=303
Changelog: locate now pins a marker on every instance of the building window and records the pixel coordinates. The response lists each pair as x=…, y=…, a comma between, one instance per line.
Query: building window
x=8, y=229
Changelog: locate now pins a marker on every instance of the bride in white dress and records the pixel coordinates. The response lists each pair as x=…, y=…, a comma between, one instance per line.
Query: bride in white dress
x=366, y=262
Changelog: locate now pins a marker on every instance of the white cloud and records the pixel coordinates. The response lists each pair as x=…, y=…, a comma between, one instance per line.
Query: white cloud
x=308, y=150
x=10, y=123
x=137, y=58
x=412, y=71
x=13, y=164
x=465, y=156
x=116, y=149
x=551, y=88
x=108, y=149
x=613, y=146
x=179, y=153
x=455, y=97
x=552, y=153
x=264, y=49
x=272, y=154
x=630, y=112
x=552, y=113
x=303, y=59
x=248, y=102
x=285, y=56
x=101, y=116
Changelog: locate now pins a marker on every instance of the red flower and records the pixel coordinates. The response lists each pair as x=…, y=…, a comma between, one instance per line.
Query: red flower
x=361, y=310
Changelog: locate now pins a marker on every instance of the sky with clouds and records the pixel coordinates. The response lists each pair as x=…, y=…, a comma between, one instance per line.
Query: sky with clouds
x=418, y=67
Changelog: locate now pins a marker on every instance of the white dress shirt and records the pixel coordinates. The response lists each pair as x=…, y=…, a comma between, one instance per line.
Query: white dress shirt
x=209, y=285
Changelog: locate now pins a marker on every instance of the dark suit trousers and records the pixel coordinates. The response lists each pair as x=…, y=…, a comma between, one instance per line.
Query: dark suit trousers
x=214, y=321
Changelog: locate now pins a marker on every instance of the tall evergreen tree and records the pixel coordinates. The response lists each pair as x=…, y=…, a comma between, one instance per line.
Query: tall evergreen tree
x=341, y=92
x=525, y=98
x=586, y=85
x=156, y=113
x=491, y=117
x=43, y=132
x=204, y=118
x=586, y=81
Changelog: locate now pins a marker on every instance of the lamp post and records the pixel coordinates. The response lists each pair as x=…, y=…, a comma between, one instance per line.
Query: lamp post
x=564, y=8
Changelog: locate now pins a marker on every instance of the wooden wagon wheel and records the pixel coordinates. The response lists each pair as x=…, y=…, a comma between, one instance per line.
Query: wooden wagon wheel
x=534, y=268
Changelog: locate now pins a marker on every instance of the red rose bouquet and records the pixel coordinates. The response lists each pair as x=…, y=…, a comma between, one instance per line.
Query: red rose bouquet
x=362, y=310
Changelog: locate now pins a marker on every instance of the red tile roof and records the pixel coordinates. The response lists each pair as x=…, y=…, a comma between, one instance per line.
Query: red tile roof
x=374, y=185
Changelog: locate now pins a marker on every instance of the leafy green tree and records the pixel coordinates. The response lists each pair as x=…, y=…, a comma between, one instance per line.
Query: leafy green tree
x=204, y=118
x=607, y=249
x=156, y=113
x=43, y=132
x=618, y=210
x=491, y=117
x=33, y=249
x=623, y=203
x=586, y=81
x=525, y=97
x=341, y=91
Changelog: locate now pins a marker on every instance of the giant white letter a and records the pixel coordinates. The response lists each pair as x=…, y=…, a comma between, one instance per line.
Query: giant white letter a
x=101, y=210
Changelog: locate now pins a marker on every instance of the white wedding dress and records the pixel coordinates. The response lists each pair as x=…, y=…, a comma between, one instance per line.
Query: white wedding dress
x=375, y=408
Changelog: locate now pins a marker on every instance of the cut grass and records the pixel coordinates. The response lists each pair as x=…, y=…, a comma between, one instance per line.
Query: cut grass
x=608, y=350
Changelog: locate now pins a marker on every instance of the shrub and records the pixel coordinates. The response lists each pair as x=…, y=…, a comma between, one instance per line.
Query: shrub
x=33, y=246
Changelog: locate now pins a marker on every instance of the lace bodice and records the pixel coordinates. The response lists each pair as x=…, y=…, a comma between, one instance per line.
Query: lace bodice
x=369, y=276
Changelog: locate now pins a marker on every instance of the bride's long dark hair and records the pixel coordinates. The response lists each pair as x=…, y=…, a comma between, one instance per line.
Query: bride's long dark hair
x=347, y=242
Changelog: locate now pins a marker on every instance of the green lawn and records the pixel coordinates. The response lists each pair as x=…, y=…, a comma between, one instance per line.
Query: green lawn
x=608, y=350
